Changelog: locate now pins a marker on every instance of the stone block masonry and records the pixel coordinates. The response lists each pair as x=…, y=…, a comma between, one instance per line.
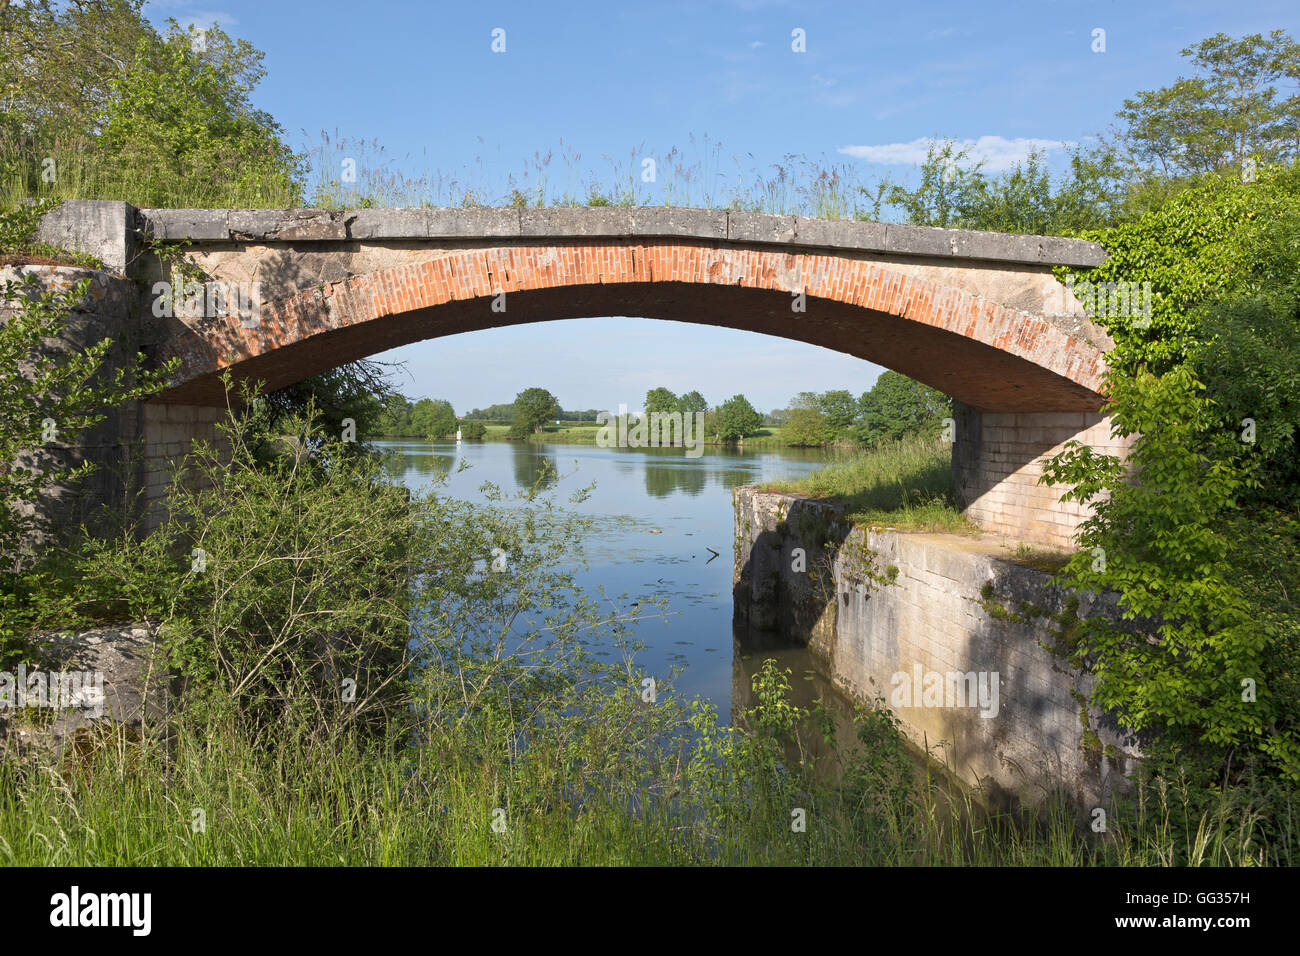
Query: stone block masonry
x=886, y=611
x=997, y=462
x=138, y=445
x=168, y=433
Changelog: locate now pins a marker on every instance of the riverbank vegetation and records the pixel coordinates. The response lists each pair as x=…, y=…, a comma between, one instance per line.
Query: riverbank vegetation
x=895, y=407
x=906, y=484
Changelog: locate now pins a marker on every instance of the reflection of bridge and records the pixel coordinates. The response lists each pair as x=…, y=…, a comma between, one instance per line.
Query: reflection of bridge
x=976, y=315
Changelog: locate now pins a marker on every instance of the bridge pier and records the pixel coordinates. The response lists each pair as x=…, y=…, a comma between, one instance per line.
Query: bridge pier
x=997, y=462
x=167, y=434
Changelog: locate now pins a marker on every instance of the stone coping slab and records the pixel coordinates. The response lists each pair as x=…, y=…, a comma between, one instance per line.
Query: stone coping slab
x=562, y=223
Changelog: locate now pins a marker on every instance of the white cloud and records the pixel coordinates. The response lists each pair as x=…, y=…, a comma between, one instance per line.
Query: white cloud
x=757, y=44
x=997, y=152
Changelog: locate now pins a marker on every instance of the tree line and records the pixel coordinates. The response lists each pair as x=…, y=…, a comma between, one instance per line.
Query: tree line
x=895, y=407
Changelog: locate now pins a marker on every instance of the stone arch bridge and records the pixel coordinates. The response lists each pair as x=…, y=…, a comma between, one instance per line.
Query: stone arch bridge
x=977, y=315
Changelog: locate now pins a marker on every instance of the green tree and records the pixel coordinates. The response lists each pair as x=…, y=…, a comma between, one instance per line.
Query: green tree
x=660, y=400
x=692, y=402
x=806, y=428
x=1212, y=238
x=1230, y=112
x=442, y=422
x=1176, y=667
x=395, y=418
x=182, y=120
x=736, y=418
x=840, y=409
x=897, y=407
x=956, y=193
x=533, y=407
x=130, y=114
x=1195, y=548
x=357, y=391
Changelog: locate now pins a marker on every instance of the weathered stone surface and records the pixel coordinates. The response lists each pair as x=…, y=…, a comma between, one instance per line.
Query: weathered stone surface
x=306, y=225
x=576, y=221
x=758, y=227
x=841, y=234
x=106, y=313
x=673, y=221
x=474, y=223
x=99, y=228
x=176, y=225
x=918, y=240
x=287, y=225
x=997, y=463
x=388, y=223
x=135, y=689
x=993, y=245
x=934, y=617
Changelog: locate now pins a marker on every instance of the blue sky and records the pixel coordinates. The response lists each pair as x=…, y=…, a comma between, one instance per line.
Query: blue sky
x=625, y=80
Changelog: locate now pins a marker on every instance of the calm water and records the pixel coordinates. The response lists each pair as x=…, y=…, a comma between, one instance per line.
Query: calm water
x=665, y=511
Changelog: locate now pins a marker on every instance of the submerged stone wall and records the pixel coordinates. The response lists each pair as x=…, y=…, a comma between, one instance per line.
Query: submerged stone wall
x=963, y=643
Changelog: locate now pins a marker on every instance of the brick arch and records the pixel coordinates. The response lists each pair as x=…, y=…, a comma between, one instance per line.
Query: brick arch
x=984, y=354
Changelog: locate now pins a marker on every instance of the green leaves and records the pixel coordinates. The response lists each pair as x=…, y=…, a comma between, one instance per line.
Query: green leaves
x=533, y=407
x=125, y=112
x=1232, y=111
x=736, y=418
x=1168, y=528
x=48, y=397
x=898, y=407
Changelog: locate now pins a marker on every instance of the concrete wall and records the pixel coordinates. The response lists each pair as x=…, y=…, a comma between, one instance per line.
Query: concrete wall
x=997, y=462
x=954, y=605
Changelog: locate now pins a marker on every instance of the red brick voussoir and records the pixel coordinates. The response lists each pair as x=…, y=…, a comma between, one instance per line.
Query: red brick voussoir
x=982, y=353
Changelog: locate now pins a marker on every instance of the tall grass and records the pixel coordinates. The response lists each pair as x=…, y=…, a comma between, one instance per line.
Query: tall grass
x=905, y=484
x=343, y=172
x=74, y=167
x=599, y=795
x=351, y=173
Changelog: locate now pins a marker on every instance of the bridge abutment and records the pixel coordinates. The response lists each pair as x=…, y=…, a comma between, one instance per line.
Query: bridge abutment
x=997, y=461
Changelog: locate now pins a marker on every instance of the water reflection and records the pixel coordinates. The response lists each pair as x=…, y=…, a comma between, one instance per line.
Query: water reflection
x=533, y=466
x=666, y=471
x=663, y=516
